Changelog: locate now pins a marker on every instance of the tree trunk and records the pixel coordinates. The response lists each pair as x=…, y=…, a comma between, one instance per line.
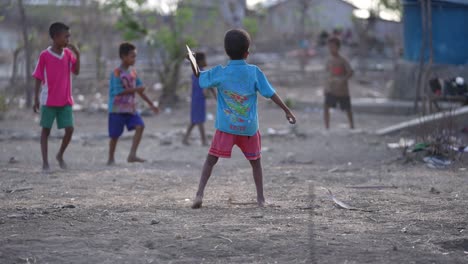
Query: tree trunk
x=27, y=52
x=422, y=54
x=14, y=68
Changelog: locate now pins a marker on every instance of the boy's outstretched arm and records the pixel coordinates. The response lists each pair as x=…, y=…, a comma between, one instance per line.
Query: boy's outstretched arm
x=77, y=55
x=289, y=115
x=149, y=102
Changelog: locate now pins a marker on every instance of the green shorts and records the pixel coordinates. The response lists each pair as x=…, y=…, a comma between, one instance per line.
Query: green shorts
x=63, y=114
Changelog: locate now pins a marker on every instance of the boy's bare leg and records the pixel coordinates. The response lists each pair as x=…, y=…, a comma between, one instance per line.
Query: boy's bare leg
x=65, y=141
x=132, y=157
x=326, y=116
x=206, y=173
x=350, y=118
x=258, y=178
x=112, y=146
x=44, y=143
x=187, y=134
x=201, y=127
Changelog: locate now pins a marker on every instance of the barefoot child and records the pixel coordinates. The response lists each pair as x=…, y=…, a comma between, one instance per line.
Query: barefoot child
x=198, y=103
x=336, y=91
x=53, y=75
x=123, y=85
x=236, y=118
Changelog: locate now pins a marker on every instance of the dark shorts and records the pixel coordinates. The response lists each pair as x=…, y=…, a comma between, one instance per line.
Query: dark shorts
x=343, y=101
x=118, y=121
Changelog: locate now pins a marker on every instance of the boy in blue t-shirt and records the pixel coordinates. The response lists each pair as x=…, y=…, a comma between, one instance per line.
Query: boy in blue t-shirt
x=237, y=118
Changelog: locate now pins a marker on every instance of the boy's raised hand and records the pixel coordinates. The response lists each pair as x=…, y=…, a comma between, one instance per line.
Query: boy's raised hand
x=73, y=48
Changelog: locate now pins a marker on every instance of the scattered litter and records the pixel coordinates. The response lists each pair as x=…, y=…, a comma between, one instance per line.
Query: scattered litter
x=271, y=131
x=461, y=149
x=420, y=147
x=209, y=116
x=225, y=238
x=403, y=143
x=437, y=162
x=343, y=205
x=19, y=189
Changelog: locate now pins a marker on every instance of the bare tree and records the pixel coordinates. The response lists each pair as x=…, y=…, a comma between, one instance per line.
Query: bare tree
x=27, y=52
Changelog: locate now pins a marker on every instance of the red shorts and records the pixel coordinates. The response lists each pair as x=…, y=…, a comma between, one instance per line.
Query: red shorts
x=222, y=144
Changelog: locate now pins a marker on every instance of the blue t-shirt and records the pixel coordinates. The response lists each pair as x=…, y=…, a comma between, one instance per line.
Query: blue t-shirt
x=122, y=103
x=237, y=85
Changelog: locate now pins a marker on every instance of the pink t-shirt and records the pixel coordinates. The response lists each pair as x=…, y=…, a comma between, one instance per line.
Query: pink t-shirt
x=55, y=72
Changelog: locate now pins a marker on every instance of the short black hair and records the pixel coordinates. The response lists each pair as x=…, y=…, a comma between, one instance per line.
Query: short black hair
x=334, y=40
x=236, y=43
x=125, y=48
x=199, y=57
x=57, y=28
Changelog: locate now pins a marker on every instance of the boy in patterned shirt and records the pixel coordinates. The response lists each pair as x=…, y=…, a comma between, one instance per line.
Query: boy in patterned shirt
x=123, y=85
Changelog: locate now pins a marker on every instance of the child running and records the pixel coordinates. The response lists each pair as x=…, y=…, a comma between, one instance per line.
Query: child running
x=237, y=119
x=53, y=79
x=123, y=85
x=198, y=104
x=336, y=91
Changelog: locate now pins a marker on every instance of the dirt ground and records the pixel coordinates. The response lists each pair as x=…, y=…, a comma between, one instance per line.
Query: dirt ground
x=140, y=213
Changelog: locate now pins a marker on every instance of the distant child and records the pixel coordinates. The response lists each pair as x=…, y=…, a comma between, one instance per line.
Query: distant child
x=123, y=85
x=336, y=90
x=236, y=120
x=198, y=103
x=53, y=75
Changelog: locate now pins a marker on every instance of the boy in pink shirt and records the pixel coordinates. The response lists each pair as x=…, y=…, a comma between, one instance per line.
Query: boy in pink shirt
x=53, y=75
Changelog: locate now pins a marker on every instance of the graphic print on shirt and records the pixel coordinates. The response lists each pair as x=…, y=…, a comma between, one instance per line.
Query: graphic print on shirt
x=237, y=110
x=125, y=103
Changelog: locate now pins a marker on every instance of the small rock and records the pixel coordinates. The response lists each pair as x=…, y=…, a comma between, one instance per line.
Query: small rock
x=13, y=160
x=257, y=216
x=45, y=212
x=105, y=213
x=154, y=222
x=150, y=245
x=395, y=248
x=434, y=191
x=134, y=219
x=70, y=206
x=165, y=142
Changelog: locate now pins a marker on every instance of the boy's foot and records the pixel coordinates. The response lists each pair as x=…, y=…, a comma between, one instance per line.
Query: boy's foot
x=261, y=202
x=45, y=167
x=197, y=202
x=110, y=162
x=135, y=159
x=61, y=162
